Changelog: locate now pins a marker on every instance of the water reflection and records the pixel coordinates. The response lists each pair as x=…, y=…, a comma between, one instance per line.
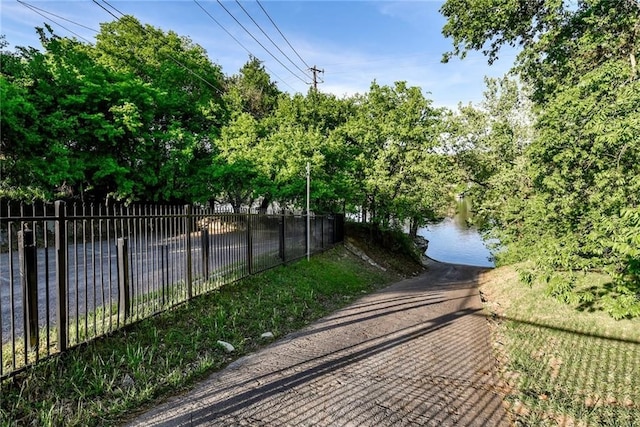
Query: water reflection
x=452, y=240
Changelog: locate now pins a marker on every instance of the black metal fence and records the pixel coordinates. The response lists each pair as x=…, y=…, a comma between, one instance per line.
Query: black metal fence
x=69, y=274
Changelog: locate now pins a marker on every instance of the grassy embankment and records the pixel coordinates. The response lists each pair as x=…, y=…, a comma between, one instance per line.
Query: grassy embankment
x=105, y=381
x=562, y=366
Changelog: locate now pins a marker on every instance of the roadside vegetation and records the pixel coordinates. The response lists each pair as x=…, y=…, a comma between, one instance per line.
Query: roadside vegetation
x=553, y=157
x=109, y=379
x=562, y=364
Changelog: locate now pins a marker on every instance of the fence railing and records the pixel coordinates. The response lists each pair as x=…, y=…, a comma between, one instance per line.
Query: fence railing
x=69, y=274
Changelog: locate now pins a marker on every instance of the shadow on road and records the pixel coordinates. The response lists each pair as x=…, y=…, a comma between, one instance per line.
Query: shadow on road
x=416, y=353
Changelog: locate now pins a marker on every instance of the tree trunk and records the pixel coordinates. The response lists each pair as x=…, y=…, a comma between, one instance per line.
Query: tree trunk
x=264, y=205
x=413, y=228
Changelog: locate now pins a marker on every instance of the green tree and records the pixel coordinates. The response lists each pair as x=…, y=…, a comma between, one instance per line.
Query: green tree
x=396, y=131
x=131, y=118
x=178, y=146
x=309, y=129
x=238, y=171
x=488, y=143
x=277, y=147
x=82, y=121
x=252, y=90
x=581, y=63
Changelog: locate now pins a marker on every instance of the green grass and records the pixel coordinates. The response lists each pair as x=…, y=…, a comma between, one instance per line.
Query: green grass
x=563, y=364
x=102, y=321
x=106, y=319
x=107, y=380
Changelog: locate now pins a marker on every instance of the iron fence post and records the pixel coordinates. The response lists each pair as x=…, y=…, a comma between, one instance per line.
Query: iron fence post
x=205, y=252
x=249, y=244
x=188, y=229
x=61, y=275
x=124, y=299
x=29, y=275
x=282, y=248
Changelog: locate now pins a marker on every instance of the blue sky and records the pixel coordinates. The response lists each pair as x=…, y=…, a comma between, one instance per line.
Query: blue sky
x=354, y=42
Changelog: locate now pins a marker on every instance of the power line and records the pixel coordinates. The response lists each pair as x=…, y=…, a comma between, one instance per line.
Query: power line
x=270, y=39
x=106, y=10
x=285, y=39
x=174, y=59
x=113, y=7
x=238, y=41
x=210, y=16
x=57, y=16
x=257, y=41
x=214, y=87
x=37, y=10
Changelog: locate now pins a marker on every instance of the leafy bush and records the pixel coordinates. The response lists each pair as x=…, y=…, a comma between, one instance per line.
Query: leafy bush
x=621, y=306
x=625, y=300
x=526, y=277
x=562, y=287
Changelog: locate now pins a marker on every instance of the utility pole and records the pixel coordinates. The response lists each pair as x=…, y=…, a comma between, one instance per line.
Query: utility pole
x=315, y=72
x=308, y=211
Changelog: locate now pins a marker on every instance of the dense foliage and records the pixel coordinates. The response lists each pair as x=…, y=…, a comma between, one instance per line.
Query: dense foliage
x=144, y=115
x=551, y=157
x=570, y=198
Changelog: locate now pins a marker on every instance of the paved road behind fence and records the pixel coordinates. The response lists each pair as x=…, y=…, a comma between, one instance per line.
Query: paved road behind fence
x=71, y=274
x=416, y=353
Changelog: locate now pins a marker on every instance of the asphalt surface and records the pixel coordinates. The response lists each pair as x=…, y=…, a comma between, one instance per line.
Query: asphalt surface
x=92, y=273
x=416, y=353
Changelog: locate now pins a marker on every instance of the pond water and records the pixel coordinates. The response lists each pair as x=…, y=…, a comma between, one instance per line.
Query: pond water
x=452, y=240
